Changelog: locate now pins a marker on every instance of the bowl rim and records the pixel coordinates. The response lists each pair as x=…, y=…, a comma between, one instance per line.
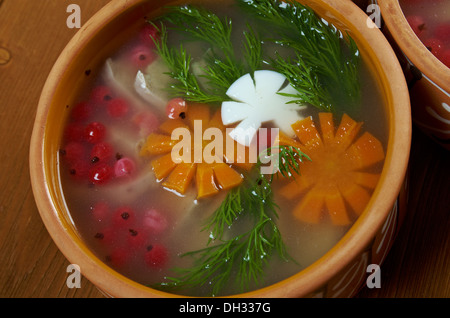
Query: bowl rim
x=301, y=284
x=411, y=46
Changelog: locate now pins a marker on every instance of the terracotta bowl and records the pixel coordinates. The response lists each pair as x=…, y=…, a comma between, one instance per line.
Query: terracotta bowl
x=428, y=78
x=341, y=272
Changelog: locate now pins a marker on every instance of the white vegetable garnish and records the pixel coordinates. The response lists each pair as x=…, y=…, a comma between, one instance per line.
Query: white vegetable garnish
x=257, y=100
x=151, y=84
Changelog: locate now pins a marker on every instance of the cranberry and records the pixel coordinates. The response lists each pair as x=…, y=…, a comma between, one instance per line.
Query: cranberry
x=123, y=217
x=154, y=221
x=101, y=173
x=156, y=256
x=94, y=132
x=100, y=211
x=176, y=108
x=74, y=151
x=141, y=56
x=146, y=122
x=101, y=94
x=101, y=151
x=148, y=35
x=117, y=107
x=81, y=111
x=119, y=257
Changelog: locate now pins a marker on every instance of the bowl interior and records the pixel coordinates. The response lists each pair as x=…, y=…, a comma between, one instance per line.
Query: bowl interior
x=83, y=58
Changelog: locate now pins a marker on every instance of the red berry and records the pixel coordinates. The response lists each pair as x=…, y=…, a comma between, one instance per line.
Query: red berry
x=119, y=257
x=141, y=56
x=124, y=167
x=101, y=173
x=154, y=221
x=136, y=238
x=124, y=217
x=176, y=108
x=106, y=236
x=100, y=211
x=94, y=132
x=146, y=122
x=446, y=57
x=156, y=256
x=79, y=169
x=442, y=31
x=74, y=132
x=101, y=151
x=118, y=107
x=101, y=94
x=74, y=151
x=148, y=34
x=81, y=111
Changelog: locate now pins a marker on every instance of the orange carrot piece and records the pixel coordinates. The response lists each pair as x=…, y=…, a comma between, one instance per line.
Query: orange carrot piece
x=162, y=166
x=284, y=140
x=216, y=121
x=171, y=124
x=180, y=177
x=367, y=150
x=356, y=196
x=226, y=176
x=294, y=188
x=365, y=179
x=198, y=112
x=307, y=133
x=205, y=182
x=309, y=209
x=237, y=154
x=347, y=131
x=327, y=127
x=336, y=207
x=157, y=144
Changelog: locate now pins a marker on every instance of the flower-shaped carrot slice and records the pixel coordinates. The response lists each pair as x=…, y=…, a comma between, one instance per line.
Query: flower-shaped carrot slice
x=342, y=173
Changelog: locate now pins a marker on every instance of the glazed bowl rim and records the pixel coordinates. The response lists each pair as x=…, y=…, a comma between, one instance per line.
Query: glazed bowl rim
x=301, y=284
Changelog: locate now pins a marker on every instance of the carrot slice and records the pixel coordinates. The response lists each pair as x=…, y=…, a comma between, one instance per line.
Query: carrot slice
x=180, y=178
x=356, y=196
x=365, y=179
x=336, y=207
x=163, y=165
x=226, y=176
x=310, y=208
x=216, y=121
x=157, y=144
x=295, y=188
x=170, y=125
x=205, y=182
x=284, y=140
x=327, y=127
x=347, y=131
x=307, y=133
x=198, y=112
x=367, y=150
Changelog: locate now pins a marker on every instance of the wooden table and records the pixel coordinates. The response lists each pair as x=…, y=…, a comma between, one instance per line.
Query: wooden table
x=32, y=34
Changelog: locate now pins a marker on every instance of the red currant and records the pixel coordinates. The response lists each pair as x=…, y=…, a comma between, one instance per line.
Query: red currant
x=124, y=217
x=117, y=107
x=79, y=169
x=81, y=111
x=74, y=151
x=101, y=151
x=141, y=56
x=100, y=211
x=176, y=108
x=148, y=34
x=101, y=94
x=101, y=173
x=136, y=238
x=154, y=221
x=124, y=167
x=146, y=122
x=156, y=256
x=119, y=257
x=94, y=132
x=74, y=132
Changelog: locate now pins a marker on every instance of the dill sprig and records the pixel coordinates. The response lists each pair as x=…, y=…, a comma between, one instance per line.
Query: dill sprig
x=247, y=254
x=317, y=45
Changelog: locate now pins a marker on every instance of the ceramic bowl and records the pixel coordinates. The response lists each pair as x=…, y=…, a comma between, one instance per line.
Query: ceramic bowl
x=427, y=77
x=341, y=272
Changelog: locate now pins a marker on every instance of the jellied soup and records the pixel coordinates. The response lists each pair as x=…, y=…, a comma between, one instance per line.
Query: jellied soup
x=225, y=148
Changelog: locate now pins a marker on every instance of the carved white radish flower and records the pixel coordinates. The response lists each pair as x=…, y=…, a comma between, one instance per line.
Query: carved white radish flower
x=258, y=100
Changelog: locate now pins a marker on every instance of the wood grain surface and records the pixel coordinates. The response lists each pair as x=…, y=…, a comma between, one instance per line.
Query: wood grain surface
x=32, y=35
